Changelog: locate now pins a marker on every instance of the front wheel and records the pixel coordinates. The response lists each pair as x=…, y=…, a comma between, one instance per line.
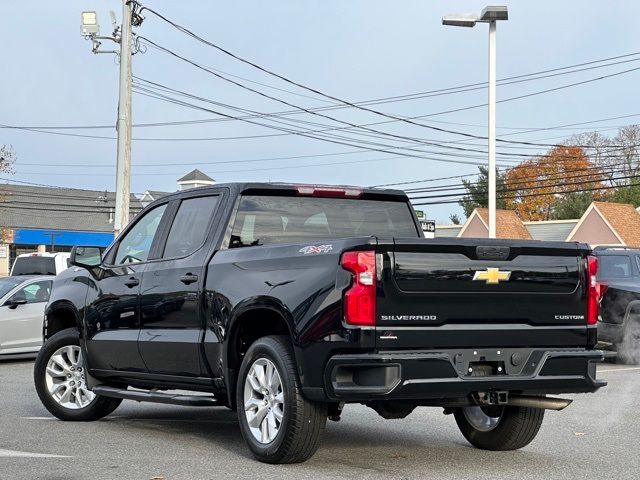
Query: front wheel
x=278, y=424
x=499, y=427
x=60, y=381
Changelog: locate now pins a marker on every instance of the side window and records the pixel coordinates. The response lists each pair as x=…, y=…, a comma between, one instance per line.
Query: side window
x=37, y=292
x=136, y=244
x=189, y=228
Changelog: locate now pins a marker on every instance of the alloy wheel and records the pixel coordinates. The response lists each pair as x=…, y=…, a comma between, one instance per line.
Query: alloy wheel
x=480, y=420
x=263, y=400
x=65, y=378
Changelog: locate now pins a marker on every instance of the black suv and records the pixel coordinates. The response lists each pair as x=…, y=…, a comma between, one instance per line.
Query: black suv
x=619, y=322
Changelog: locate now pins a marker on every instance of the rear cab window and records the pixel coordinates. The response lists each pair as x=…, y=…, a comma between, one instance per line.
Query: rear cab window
x=34, y=266
x=264, y=219
x=614, y=266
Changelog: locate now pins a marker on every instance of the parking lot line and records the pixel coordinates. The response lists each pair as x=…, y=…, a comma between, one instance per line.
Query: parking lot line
x=619, y=369
x=15, y=454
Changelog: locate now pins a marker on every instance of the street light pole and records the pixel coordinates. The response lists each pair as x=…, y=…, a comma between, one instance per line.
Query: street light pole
x=492, y=129
x=123, y=162
x=489, y=15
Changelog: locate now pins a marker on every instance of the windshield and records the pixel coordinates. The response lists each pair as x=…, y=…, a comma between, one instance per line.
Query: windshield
x=265, y=220
x=7, y=284
x=34, y=266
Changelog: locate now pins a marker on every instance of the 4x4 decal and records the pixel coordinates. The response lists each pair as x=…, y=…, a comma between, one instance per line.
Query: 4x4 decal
x=316, y=249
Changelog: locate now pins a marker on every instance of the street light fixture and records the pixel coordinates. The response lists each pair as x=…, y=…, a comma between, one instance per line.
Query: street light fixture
x=89, y=24
x=488, y=15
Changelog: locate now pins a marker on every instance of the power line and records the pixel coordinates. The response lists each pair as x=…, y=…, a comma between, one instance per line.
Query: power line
x=586, y=171
x=411, y=96
x=531, y=195
x=334, y=98
x=543, y=185
x=331, y=128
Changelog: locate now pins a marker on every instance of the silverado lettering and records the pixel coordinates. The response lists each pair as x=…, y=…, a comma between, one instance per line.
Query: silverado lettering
x=408, y=317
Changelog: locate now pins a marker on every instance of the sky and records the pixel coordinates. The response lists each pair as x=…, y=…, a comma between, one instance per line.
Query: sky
x=353, y=50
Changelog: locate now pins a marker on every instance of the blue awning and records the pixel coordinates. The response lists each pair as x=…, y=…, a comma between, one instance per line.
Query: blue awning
x=63, y=238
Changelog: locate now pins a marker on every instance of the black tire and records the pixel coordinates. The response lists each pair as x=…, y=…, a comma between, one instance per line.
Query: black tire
x=516, y=428
x=629, y=348
x=303, y=421
x=98, y=408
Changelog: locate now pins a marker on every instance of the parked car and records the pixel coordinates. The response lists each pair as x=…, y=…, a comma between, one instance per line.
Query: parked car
x=22, y=303
x=40, y=263
x=287, y=302
x=619, y=322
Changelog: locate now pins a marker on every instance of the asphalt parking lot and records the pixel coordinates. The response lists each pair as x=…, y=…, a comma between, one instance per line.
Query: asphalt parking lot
x=596, y=437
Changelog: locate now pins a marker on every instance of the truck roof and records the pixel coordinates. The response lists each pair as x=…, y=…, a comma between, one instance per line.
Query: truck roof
x=288, y=188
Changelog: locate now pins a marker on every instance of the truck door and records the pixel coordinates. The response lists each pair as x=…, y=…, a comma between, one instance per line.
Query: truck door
x=112, y=314
x=171, y=292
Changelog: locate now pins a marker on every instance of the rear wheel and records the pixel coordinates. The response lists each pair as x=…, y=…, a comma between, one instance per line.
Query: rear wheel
x=499, y=428
x=60, y=381
x=278, y=424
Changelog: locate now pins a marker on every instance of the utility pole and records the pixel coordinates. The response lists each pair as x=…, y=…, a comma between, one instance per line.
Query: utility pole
x=123, y=35
x=492, y=129
x=123, y=162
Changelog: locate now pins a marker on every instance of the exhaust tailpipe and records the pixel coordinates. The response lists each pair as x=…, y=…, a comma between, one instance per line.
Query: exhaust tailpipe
x=538, y=402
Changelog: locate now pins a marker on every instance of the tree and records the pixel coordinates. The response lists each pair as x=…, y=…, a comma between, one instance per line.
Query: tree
x=454, y=218
x=573, y=205
x=626, y=194
x=619, y=159
x=623, y=157
x=7, y=159
x=537, y=187
x=477, y=191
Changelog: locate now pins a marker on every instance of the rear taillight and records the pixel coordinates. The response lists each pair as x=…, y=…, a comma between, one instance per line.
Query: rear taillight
x=360, y=298
x=595, y=291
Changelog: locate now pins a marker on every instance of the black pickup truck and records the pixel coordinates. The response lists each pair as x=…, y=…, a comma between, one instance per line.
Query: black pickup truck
x=619, y=323
x=287, y=302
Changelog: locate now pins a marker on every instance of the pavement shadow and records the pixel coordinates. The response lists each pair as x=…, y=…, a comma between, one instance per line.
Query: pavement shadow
x=217, y=426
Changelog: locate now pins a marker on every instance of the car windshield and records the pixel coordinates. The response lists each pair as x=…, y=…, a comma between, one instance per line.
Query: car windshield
x=8, y=284
x=614, y=266
x=265, y=219
x=34, y=266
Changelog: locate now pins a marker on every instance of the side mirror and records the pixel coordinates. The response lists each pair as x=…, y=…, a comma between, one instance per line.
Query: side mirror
x=85, y=257
x=13, y=304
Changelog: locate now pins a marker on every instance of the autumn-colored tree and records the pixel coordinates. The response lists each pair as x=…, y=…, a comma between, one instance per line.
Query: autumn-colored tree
x=537, y=186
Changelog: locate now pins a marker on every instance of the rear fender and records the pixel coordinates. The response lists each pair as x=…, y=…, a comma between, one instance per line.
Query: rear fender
x=231, y=363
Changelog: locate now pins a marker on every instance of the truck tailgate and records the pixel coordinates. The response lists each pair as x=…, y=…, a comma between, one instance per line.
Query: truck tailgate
x=468, y=293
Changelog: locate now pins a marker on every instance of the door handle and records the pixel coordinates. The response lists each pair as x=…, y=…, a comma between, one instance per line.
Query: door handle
x=132, y=282
x=189, y=278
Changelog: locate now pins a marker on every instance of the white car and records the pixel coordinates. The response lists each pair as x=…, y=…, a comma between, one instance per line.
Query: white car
x=22, y=302
x=40, y=263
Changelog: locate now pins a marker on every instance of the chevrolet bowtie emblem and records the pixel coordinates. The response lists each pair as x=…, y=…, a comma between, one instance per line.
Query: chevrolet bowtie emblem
x=492, y=276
